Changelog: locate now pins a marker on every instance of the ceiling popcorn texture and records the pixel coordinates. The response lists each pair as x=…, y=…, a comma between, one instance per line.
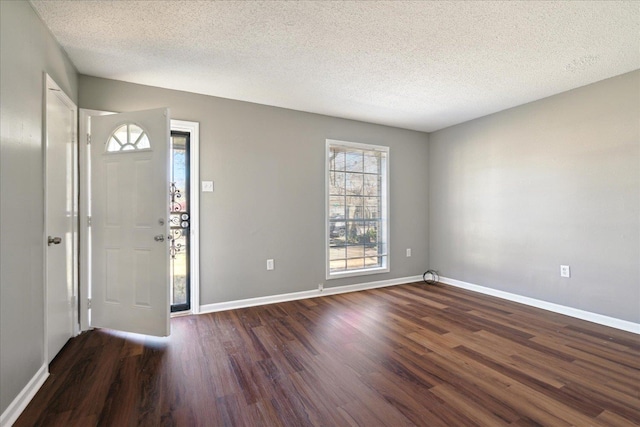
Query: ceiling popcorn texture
x=415, y=65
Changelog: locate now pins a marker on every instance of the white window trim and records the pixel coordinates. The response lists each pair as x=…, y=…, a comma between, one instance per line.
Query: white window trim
x=385, y=196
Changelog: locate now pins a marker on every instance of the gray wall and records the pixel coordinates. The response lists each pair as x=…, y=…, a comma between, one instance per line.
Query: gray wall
x=27, y=50
x=268, y=167
x=515, y=194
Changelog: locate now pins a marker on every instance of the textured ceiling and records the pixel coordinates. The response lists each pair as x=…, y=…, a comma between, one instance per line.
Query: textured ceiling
x=415, y=65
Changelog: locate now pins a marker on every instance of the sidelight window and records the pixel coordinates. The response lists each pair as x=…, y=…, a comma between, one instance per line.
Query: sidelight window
x=180, y=222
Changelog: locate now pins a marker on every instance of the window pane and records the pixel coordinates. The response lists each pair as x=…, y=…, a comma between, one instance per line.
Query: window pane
x=355, y=264
x=356, y=251
x=113, y=145
x=337, y=159
x=356, y=232
x=336, y=207
x=336, y=183
x=337, y=230
x=135, y=132
x=372, y=207
x=339, y=238
x=179, y=269
x=371, y=185
x=354, y=207
x=371, y=233
x=179, y=177
x=371, y=250
x=143, y=142
x=337, y=265
x=337, y=253
x=372, y=162
x=371, y=262
x=354, y=183
x=121, y=135
x=354, y=161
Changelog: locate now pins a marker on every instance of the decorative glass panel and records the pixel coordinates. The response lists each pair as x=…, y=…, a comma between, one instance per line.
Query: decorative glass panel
x=128, y=137
x=179, y=221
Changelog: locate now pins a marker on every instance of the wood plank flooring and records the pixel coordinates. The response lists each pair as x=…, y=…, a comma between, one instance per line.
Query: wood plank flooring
x=404, y=355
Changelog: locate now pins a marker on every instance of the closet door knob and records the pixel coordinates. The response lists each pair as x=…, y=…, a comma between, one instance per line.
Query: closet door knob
x=53, y=241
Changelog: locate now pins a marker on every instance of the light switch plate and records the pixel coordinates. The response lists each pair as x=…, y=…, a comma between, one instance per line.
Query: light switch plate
x=207, y=186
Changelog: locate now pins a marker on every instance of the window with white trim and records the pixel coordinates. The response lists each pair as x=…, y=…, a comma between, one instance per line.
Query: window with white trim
x=357, y=198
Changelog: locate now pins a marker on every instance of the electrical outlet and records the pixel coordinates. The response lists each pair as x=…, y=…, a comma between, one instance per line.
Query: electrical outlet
x=320, y=287
x=408, y=252
x=565, y=271
x=270, y=264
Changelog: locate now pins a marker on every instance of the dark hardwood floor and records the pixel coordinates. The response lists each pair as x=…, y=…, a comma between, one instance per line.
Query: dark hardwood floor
x=404, y=355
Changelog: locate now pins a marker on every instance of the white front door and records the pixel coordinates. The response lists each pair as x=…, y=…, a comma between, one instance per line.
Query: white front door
x=129, y=222
x=61, y=217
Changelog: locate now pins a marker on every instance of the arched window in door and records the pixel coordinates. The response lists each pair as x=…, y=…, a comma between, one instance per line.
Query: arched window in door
x=128, y=137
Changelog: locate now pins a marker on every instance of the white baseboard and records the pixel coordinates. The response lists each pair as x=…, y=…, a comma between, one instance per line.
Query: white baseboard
x=251, y=302
x=13, y=411
x=556, y=308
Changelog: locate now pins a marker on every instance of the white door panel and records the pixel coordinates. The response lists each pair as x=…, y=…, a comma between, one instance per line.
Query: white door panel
x=129, y=224
x=61, y=211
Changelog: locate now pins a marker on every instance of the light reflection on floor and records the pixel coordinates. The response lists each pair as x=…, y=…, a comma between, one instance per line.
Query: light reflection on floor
x=157, y=343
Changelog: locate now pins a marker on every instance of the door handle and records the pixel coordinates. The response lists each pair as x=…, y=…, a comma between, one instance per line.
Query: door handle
x=159, y=238
x=53, y=241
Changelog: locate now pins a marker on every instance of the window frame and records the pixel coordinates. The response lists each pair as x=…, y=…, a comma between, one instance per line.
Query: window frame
x=384, y=209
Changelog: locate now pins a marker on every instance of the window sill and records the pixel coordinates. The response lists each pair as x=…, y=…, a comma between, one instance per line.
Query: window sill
x=356, y=273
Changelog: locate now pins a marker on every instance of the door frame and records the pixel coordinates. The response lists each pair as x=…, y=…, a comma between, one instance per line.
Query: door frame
x=193, y=128
x=51, y=88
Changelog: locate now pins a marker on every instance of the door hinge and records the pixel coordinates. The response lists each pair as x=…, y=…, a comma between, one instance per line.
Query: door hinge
x=88, y=221
x=88, y=302
x=88, y=139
